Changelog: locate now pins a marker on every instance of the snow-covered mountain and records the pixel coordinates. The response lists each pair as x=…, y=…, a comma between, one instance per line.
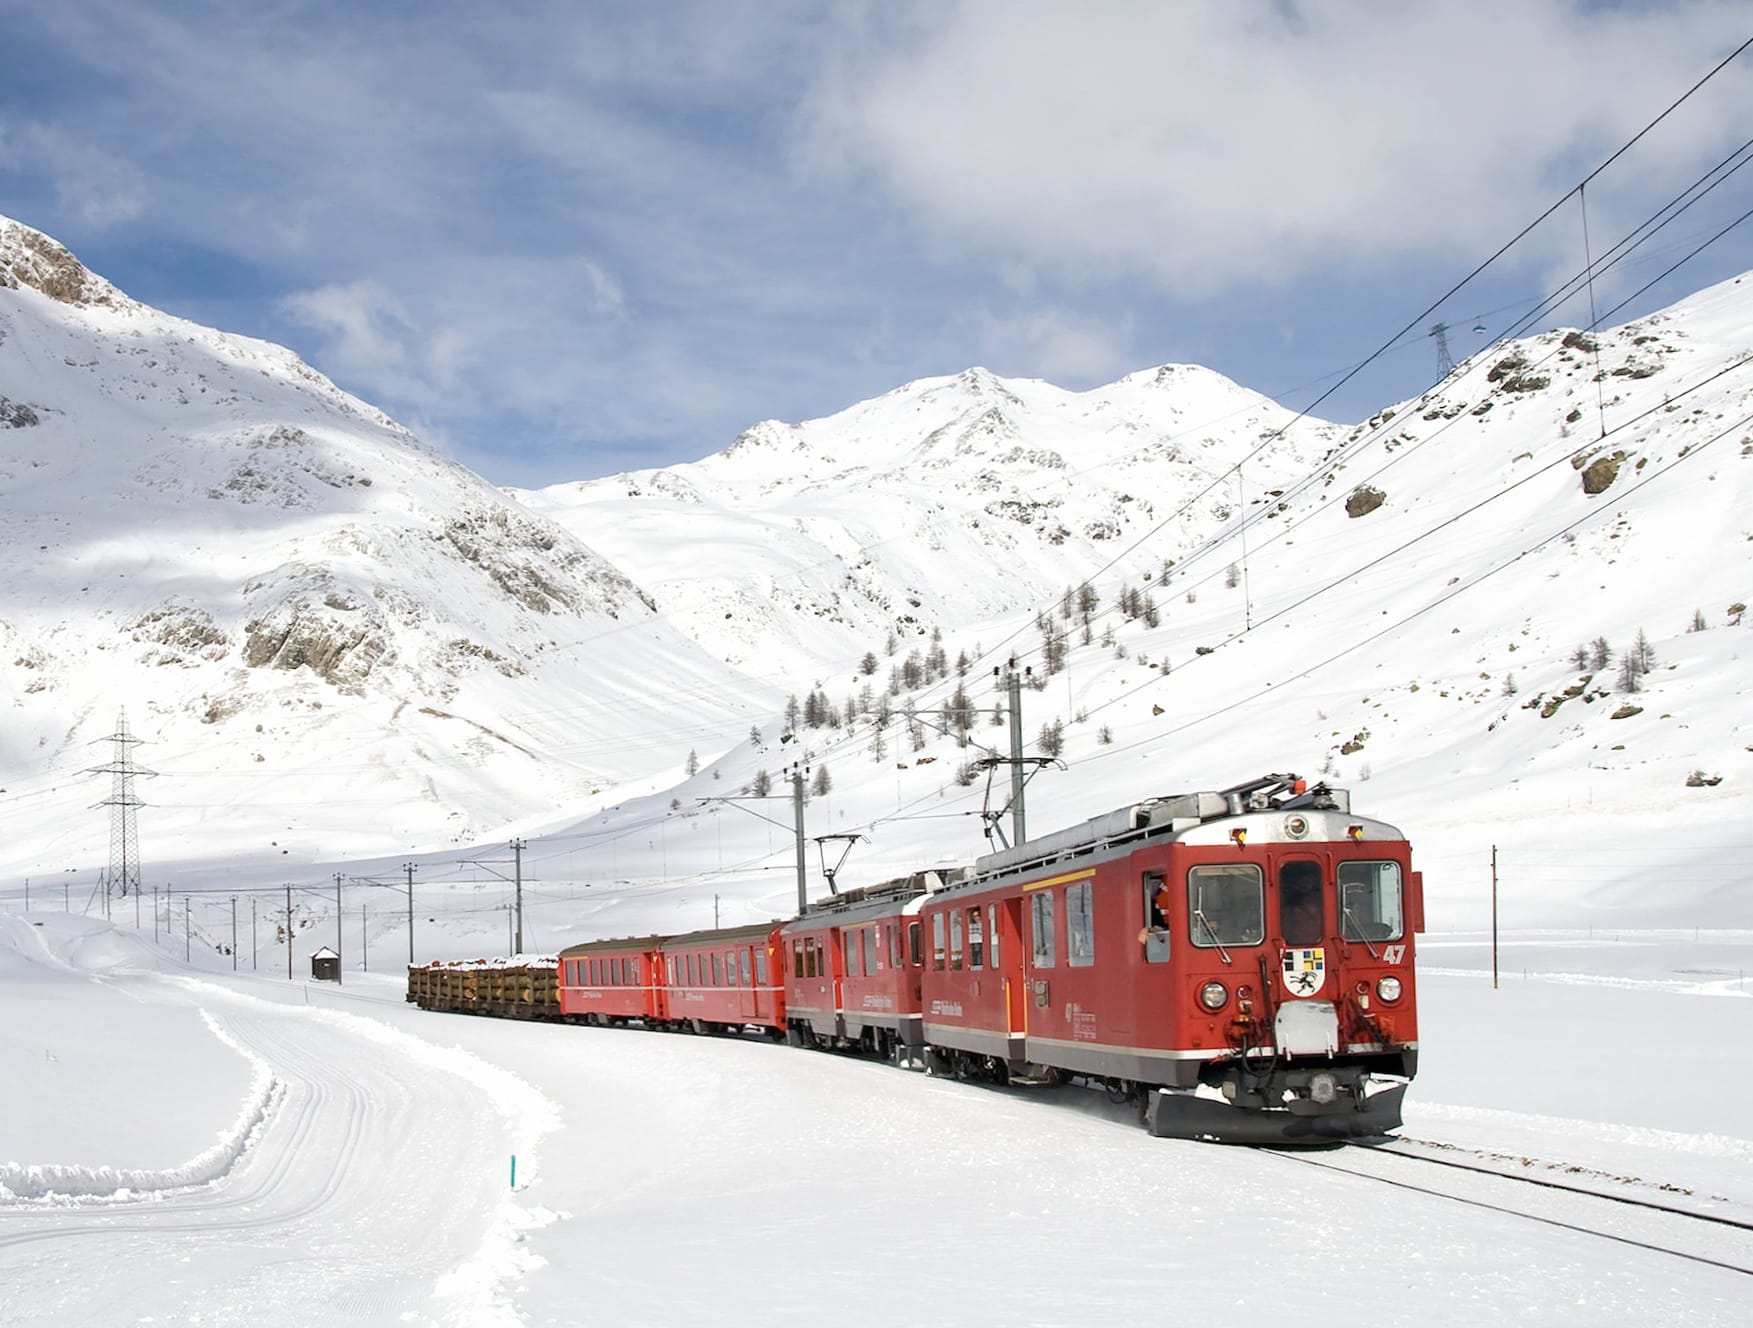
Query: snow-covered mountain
x=805, y=544
x=1437, y=603
x=285, y=590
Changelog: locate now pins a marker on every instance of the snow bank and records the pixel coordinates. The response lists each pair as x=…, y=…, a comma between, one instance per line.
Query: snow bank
x=71, y=1183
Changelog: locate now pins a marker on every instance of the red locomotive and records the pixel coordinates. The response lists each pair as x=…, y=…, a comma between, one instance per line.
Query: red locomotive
x=1242, y=961
x=1238, y=962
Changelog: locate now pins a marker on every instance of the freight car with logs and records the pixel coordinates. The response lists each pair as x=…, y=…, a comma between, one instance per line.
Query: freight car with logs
x=1239, y=962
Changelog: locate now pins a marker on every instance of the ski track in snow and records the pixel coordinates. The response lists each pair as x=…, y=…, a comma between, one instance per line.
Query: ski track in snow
x=342, y=1148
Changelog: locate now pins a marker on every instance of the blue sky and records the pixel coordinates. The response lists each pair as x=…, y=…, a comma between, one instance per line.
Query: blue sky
x=565, y=239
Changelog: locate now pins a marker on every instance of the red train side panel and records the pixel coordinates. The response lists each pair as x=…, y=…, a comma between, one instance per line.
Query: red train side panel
x=726, y=979
x=853, y=969
x=605, y=982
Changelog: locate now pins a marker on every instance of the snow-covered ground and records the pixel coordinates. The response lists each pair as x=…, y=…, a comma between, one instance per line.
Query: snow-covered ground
x=188, y=1145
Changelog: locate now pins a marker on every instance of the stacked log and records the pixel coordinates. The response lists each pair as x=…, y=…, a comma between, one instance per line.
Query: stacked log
x=522, y=988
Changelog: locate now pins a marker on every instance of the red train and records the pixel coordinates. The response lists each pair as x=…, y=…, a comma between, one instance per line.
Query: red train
x=1239, y=962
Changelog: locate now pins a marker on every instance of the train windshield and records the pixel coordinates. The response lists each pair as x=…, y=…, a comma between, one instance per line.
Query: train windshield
x=1301, y=917
x=1225, y=906
x=1370, y=901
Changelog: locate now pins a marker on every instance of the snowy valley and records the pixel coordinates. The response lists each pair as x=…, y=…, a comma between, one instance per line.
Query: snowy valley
x=360, y=672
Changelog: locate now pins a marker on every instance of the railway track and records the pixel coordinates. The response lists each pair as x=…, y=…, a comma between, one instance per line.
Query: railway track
x=1666, y=1220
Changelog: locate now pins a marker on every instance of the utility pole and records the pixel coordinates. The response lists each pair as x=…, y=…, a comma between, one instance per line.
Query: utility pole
x=155, y=915
x=289, y=932
x=796, y=771
x=255, y=959
x=1018, y=763
x=409, y=868
x=234, y=933
x=1014, y=699
x=517, y=848
x=337, y=926
x=364, y=943
x=1494, y=917
x=188, y=927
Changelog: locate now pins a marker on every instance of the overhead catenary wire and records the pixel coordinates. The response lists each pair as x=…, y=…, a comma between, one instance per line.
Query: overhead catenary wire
x=1591, y=268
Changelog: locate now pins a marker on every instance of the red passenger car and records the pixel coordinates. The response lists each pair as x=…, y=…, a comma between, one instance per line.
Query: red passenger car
x=725, y=980
x=1242, y=961
x=853, y=970
x=612, y=982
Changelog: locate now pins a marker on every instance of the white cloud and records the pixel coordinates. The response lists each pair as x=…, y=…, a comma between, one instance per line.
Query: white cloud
x=1057, y=344
x=367, y=335
x=97, y=188
x=1206, y=145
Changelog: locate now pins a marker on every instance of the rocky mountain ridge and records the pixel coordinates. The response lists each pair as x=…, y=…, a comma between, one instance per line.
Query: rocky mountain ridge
x=206, y=531
x=337, y=642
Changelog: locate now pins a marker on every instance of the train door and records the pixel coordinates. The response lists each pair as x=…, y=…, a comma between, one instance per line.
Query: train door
x=1007, y=957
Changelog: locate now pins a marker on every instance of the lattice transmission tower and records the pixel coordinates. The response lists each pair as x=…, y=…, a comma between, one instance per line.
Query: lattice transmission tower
x=123, y=875
x=1445, y=363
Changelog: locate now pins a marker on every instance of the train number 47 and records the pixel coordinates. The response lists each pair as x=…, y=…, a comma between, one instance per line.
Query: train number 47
x=1393, y=954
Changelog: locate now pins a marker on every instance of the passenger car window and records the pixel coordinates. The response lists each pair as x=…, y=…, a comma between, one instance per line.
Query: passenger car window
x=1041, y=927
x=976, y=939
x=1226, y=905
x=1080, y=928
x=1371, y=905
x=937, y=941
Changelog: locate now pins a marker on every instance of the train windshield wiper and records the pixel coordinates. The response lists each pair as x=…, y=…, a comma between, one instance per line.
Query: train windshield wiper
x=1203, y=921
x=1357, y=927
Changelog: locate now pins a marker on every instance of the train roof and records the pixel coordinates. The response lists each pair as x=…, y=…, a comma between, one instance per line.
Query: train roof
x=1182, y=815
x=868, y=901
x=638, y=944
x=724, y=935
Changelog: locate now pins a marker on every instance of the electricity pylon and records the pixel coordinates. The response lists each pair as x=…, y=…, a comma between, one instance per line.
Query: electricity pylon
x=124, y=869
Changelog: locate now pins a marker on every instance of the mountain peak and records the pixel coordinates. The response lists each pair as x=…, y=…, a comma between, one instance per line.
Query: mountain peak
x=31, y=260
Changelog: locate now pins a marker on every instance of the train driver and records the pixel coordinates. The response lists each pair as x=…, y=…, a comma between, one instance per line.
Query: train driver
x=1154, y=935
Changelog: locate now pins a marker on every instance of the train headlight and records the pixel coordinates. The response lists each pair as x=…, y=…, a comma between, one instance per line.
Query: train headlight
x=1389, y=988
x=1212, y=995
x=1296, y=827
